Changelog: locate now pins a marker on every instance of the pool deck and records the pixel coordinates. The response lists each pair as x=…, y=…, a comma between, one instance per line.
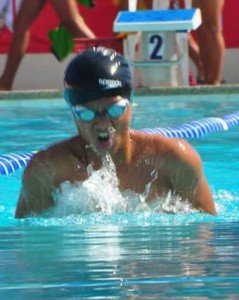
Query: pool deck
x=159, y=91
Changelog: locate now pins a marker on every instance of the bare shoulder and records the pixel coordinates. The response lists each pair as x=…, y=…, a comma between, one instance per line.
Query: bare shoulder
x=49, y=167
x=44, y=165
x=44, y=172
x=172, y=149
x=181, y=167
x=54, y=155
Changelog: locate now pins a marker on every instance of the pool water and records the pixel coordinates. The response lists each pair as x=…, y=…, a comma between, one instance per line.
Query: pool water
x=121, y=255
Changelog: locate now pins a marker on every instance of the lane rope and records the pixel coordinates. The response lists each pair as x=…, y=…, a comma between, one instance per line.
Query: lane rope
x=9, y=163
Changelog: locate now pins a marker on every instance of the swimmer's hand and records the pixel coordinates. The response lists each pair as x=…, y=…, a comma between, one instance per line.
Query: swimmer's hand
x=88, y=3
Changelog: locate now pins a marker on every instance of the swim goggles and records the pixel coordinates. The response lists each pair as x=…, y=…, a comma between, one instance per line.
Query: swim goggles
x=113, y=111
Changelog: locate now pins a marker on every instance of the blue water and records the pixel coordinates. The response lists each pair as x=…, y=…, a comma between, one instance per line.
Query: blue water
x=140, y=255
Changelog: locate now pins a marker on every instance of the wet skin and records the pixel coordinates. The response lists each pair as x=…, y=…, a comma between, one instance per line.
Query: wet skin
x=168, y=165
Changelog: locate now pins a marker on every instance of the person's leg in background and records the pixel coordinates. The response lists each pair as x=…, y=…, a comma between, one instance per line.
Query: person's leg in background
x=3, y=8
x=141, y=4
x=28, y=11
x=193, y=48
x=67, y=11
x=122, y=4
x=194, y=54
x=210, y=39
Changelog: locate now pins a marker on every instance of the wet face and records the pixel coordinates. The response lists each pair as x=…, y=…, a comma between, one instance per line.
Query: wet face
x=104, y=123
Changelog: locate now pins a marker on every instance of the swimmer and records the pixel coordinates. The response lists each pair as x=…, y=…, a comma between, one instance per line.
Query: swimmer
x=98, y=88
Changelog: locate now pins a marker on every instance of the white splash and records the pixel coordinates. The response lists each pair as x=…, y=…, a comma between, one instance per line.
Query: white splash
x=100, y=193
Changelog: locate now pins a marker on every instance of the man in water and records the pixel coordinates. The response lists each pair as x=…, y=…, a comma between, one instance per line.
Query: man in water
x=98, y=88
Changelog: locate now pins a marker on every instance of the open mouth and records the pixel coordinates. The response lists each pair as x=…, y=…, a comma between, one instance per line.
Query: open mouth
x=103, y=136
x=105, y=139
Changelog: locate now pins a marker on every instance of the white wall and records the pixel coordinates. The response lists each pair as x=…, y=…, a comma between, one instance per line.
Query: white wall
x=231, y=66
x=43, y=71
x=38, y=71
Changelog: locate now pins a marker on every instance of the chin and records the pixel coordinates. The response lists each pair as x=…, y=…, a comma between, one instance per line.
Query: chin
x=102, y=148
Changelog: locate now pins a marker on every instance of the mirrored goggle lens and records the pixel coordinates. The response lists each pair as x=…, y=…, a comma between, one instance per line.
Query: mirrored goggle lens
x=85, y=114
x=116, y=110
x=113, y=111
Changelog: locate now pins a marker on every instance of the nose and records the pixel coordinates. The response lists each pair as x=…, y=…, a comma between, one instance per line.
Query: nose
x=102, y=121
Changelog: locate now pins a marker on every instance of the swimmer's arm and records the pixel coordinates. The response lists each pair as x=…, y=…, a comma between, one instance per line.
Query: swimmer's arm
x=36, y=191
x=189, y=181
x=203, y=196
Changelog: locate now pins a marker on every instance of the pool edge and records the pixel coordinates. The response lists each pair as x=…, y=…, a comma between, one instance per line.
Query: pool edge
x=151, y=91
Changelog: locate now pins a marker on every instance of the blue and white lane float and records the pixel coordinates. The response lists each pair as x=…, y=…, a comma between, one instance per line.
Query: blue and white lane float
x=10, y=163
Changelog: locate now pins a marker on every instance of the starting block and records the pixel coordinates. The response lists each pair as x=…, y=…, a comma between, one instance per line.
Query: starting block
x=157, y=44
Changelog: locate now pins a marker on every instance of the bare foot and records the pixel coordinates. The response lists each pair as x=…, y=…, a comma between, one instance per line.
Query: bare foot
x=5, y=86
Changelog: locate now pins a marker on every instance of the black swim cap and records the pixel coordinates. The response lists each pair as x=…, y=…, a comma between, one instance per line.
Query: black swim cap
x=95, y=73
